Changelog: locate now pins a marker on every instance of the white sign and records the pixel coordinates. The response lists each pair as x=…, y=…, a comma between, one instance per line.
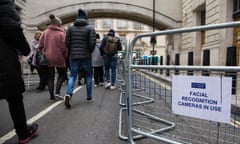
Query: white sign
x=202, y=97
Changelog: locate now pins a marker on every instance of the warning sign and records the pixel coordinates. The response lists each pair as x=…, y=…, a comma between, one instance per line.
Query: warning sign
x=202, y=97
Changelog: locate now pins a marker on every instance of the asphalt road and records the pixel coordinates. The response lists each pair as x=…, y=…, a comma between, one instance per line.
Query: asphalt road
x=84, y=123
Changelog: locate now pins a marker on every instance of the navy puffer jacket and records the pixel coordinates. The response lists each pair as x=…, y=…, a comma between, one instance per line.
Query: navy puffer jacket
x=80, y=39
x=12, y=43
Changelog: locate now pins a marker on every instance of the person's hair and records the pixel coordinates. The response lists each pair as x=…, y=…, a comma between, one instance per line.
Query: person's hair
x=36, y=34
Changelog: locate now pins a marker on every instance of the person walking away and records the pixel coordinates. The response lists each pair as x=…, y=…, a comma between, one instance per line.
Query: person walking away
x=52, y=45
x=80, y=41
x=81, y=74
x=97, y=63
x=12, y=42
x=41, y=70
x=109, y=47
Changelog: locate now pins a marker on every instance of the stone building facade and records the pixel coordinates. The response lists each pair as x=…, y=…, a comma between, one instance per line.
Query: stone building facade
x=206, y=47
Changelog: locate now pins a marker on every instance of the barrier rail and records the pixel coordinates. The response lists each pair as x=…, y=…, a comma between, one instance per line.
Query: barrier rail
x=146, y=120
x=30, y=79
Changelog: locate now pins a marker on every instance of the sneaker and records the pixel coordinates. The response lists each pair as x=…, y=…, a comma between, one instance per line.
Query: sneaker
x=96, y=85
x=100, y=84
x=32, y=132
x=90, y=100
x=67, y=101
x=112, y=87
x=59, y=96
x=107, y=85
x=53, y=98
x=79, y=82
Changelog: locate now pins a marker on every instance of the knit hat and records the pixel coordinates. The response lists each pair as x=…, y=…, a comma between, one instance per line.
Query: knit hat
x=97, y=36
x=55, y=20
x=111, y=32
x=82, y=14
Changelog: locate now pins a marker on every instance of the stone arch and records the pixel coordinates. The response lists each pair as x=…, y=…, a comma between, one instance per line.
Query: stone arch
x=107, y=9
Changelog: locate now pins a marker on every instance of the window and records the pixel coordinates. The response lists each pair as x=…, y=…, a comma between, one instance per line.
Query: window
x=137, y=26
x=122, y=24
x=236, y=8
x=203, y=22
x=107, y=23
x=92, y=23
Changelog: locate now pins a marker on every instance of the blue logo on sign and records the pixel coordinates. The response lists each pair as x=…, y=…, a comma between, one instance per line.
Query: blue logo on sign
x=198, y=85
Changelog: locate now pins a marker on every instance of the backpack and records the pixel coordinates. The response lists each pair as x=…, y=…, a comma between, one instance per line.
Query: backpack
x=111, y=45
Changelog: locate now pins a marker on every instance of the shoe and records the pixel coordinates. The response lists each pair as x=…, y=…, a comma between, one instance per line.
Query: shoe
x=53, y=98
x=100, y=84
x=112, y=87
x=67, y=101
x=32, y=132
x=90, y=100
x=107, y=85
x=79, y=83
x=59, y=96
x=96, y=85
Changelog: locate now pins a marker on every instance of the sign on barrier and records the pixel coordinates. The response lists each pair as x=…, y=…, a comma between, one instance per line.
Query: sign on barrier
x=202, y=97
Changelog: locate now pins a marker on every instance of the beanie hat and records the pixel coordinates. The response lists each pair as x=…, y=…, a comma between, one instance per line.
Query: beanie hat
x=82, y=14
x=97, y=36
x=55, y=20
x=111, y=32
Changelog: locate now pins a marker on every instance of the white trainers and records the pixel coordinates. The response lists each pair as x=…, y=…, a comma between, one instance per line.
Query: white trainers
x=112, y=87
x=59, y=96
x=107, y=85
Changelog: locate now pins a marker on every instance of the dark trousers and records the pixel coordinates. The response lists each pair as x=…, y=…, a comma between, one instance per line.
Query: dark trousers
x=43, y=76
x=17, y=111
x=60, y=79
x=98, y=74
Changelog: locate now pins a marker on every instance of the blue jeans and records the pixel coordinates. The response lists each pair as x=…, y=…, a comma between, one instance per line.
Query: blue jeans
x=110, y=62
x=86, y=64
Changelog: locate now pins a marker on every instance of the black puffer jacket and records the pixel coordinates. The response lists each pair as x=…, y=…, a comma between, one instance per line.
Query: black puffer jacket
x=80, y=39
x=12, y=43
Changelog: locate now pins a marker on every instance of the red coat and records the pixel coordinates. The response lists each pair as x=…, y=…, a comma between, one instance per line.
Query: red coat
x=52, y=44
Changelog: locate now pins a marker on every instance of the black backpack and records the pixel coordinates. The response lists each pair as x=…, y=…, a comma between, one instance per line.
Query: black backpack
x=111, y=45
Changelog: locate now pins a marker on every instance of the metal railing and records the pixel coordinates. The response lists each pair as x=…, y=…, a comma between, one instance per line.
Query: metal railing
x=146, y=120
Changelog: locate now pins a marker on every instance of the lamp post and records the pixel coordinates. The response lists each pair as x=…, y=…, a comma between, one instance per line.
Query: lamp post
x=153, y=40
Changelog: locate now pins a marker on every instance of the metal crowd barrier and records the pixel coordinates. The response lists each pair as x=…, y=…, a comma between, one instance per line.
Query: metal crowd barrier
x=154, y=122
x=30, y=79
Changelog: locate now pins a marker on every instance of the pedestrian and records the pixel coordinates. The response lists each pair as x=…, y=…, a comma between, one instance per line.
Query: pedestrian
x=12, y=43
x=41, y=70
x=81, y=74
x=52, y=45
x=109, y=48
x=97, y=63
x=80, y=41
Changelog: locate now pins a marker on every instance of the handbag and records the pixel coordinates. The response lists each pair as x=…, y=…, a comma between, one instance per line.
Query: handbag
x=29, y=60
x=41, y=59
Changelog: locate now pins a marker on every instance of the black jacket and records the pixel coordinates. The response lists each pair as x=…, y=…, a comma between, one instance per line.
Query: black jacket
x=80, y=39
x=12, y=43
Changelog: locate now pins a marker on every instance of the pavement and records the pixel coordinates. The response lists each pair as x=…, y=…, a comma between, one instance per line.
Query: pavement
x=84, y=123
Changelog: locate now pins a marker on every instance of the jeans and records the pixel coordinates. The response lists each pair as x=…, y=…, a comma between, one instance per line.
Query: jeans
x=110, y=62
x=75, y=65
